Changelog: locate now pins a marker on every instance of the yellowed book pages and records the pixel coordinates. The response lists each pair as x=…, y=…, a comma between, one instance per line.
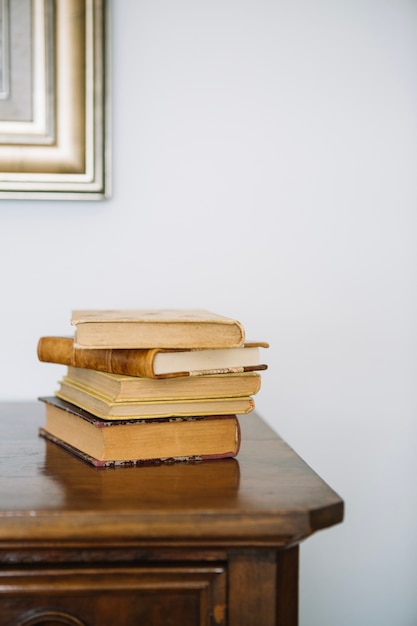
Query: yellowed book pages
x=119, y=388
x=101, y=407
x=213, y=437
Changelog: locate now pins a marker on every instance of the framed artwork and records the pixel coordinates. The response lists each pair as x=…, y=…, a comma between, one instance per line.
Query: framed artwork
x=54, y=99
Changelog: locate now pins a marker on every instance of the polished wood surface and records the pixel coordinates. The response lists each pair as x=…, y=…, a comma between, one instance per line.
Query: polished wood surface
x=268, y=494
x=217, y=540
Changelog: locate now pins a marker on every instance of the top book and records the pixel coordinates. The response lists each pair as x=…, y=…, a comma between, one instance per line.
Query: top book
x=155, y=328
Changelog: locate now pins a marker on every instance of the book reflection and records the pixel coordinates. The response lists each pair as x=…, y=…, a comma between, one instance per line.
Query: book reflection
x=134, y=488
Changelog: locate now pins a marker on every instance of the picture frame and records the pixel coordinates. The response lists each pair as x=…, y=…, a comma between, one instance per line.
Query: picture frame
x=55, y=99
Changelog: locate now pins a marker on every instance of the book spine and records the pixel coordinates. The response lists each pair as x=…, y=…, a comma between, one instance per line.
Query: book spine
x=61, y=350
x=56, y=350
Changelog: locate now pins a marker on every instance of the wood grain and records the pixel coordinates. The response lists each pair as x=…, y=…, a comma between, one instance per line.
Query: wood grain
x=208, y=544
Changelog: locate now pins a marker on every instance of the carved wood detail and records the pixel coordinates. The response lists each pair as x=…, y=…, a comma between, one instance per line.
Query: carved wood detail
x=46, y=617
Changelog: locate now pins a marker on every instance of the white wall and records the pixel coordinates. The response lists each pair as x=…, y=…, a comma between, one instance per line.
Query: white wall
x=265, y=158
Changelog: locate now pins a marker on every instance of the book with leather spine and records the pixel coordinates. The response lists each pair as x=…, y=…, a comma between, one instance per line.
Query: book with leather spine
x=103, y=443
x=153, y=362
x=155, y=328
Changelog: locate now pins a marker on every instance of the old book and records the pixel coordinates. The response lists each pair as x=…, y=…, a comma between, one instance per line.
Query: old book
x=101, y=442
x=100, y=406
x=155, y=328
x=191, y=478
x=153, y=362
x=117, y=387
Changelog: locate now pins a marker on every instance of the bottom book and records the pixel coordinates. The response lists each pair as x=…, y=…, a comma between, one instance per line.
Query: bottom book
x=133, y=442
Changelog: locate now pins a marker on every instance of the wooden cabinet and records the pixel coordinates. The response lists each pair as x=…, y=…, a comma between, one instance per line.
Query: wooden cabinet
x=212, y=543
x=180, y=594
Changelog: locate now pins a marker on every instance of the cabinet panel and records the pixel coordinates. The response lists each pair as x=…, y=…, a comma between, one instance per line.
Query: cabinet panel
x=169, y=596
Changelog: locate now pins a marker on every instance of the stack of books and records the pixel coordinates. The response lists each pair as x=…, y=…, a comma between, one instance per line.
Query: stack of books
x=148, y=386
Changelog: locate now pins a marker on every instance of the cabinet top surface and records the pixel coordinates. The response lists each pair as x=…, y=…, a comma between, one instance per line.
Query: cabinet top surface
x=268, y=494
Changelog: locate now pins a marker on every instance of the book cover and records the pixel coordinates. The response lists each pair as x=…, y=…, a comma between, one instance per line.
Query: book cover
x=155, y=328
x=102, y=442
x=100, y=406
x=120, y=388
x=153, y=362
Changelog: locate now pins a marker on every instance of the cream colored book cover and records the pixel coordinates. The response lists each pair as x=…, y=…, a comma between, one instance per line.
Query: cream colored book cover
x=155, y=328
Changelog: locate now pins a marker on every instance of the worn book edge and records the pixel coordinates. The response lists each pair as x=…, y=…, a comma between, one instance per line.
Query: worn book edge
x=100, y=422
x=132, y=462
x=155, y=328
x=131, y=362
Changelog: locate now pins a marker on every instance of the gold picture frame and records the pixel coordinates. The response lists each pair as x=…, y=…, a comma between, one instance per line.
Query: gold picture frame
x=54, y=99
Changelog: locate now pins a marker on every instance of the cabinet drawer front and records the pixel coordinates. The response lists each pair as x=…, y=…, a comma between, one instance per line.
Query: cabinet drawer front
x=155, y=596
